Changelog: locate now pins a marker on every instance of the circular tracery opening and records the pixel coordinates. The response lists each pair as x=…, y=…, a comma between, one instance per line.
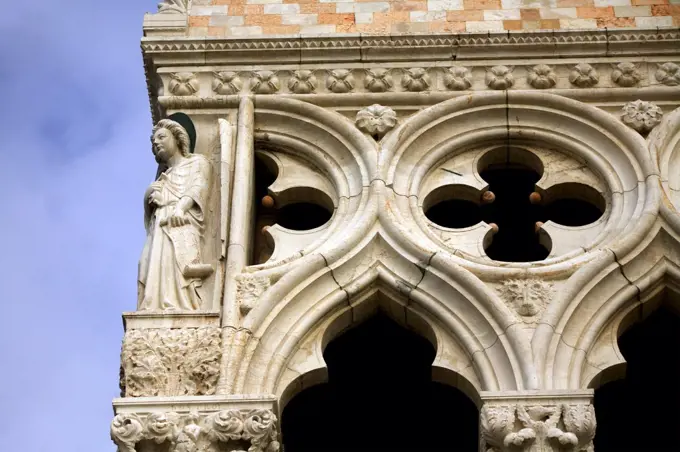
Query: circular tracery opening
x=513, y=204
x=302, y=216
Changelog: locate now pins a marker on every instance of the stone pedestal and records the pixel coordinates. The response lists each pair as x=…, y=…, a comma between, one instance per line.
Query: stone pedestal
x=537, y=421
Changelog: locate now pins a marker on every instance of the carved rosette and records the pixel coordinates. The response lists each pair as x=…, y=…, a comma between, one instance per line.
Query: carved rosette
x=302, y=82
x=499, y=77
x=519, y=427
x=255, y=429
x=458, y=78
x=528, y=297
x=378, y=80
x=340, y=81
x=626, y=74
x=542, y=76
x=415, y=80
x=641, y=116
x=248, y=291
x=668, y=74
x=226, y=82
x=376, y=120
x=265, y=82
x=584, y=76
x=170, y=362
x=183, y=84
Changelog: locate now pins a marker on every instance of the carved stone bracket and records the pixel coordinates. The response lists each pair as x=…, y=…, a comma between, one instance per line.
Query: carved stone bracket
x=254, y=430
x=538, y=422
x=166, y=361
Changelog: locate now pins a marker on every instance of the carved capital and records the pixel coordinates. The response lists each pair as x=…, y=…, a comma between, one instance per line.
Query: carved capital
x=253, y=430
x=168, y=362
x=537, y=425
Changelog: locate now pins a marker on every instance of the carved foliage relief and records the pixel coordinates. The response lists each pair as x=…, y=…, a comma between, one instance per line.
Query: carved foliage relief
x=248, y=290
x=169, y=362
x=251, y=430
x=567, y=427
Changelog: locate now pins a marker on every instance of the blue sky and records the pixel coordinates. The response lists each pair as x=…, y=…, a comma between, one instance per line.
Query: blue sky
x=76, y=158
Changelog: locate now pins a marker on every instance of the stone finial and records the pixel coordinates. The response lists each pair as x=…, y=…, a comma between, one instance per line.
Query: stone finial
x=542, y=76
x=415, y=79
x=641, y=116
x=626, y=74
x=340, y=81
x=226, y=82
x=668, y=74
x=376, y=120
x=302, y=82
x=584, y=75
x=458, y=78
x=499, y=77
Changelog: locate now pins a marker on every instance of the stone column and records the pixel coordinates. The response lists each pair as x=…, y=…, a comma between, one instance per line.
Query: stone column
x=537, y=421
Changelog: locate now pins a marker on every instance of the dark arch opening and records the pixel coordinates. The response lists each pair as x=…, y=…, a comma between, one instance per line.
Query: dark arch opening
x=380, y=397
x=639, y=412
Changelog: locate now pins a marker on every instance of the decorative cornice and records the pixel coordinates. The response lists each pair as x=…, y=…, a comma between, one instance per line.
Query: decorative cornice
x=414, y=47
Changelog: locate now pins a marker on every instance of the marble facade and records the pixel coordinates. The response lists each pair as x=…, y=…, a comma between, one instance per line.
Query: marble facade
x=376, y=130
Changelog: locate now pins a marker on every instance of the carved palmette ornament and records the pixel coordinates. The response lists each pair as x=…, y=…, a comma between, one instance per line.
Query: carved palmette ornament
x=189, y=433
x=528, y=296
x=173, y=6
x=169, y=362
x=248, y=290
x=568, y=428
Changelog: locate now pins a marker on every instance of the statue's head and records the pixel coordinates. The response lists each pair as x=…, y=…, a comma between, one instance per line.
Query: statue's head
x=169, y=137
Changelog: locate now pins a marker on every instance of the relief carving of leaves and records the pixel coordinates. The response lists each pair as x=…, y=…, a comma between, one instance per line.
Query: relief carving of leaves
x=225, y=425
x=173, y=6
x=126, y=431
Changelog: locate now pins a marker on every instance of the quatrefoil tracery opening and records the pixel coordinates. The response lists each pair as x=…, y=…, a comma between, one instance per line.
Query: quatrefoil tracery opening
x=516, y=208
x=288, y=201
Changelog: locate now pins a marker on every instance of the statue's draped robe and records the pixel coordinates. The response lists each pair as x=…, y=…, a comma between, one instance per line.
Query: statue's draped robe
x=168, y=251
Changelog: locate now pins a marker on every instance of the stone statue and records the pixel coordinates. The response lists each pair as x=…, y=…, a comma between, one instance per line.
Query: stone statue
x=170, y=269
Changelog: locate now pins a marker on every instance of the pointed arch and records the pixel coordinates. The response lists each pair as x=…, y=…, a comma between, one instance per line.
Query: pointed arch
x=291, y=325
x=583, y=345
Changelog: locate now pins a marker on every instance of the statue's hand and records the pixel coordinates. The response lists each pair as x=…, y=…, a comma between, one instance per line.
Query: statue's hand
x=178, y=218
x=155, y=198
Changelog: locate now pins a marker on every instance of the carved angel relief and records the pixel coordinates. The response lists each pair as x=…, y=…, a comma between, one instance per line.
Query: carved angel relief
x=529, y=297
x=568, y=428
x=254, y=430
x=170, y=362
